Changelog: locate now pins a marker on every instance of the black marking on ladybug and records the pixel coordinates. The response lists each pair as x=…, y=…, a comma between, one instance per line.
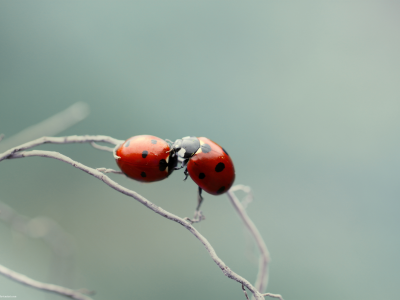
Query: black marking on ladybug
x=205, y=148
x=127, y=143
x=225, y=151
x=221, y=190
x=172, y=163
x=202, y=175
x=144, y=153
x=219, y=167
x=143, y=174
x=162, y=165
x=153, y=141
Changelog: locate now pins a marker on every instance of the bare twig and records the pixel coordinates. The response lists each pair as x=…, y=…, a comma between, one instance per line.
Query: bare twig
x=42, y=286
x=225, y=269
x=105, y=170
x=61, y=140
x=51, y=126
x=245, y=292
x=198, y=217
x=249, y=194
x=262, y=277
x=104, y=148
x=273, y=296
x=53, y=235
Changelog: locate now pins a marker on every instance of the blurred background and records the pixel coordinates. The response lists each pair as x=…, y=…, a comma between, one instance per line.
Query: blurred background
x=304, y=96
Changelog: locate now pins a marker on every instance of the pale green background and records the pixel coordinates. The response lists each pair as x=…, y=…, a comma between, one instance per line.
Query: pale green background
x=304, y=95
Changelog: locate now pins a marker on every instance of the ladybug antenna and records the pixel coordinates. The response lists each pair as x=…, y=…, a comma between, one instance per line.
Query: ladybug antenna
x=169, y=142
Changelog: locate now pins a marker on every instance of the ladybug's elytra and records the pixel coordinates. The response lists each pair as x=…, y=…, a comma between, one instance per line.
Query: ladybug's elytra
x=207, y=163
x=145, y=158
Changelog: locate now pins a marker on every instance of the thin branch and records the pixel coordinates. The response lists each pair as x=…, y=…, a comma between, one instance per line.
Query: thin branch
x=53, y=235
x=61, y=140
x=104, y=148
x=51, y=126
x=249, y=194
x=42, y=286
x=273, y=296
x=245, y=292
x=225, y=269
x=105, y=170
x=262, y=277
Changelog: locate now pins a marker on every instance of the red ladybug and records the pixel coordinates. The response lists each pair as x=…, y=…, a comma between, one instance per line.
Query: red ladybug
x=145, y=158
x=207, y=163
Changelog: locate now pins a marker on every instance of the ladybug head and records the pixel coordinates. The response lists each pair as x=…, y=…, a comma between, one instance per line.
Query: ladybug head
x=185, y=147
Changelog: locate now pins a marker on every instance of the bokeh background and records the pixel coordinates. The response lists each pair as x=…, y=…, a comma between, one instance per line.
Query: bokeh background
x=304, y=95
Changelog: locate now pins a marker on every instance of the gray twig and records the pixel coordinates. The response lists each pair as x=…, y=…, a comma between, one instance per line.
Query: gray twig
x=42, y=286
x=13, y=153
x=60, y=140
x=262, y=277
x=105, y=170
x=245, y=292
x=100, y=147
x=51, y=126
x=273, y=296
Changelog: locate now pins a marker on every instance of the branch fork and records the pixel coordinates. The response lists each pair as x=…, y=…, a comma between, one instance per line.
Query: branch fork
x=262, y=278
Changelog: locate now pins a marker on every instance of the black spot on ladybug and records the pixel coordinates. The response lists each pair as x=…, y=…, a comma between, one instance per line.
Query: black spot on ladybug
x=219, y=167
x=221, y=190
x=153, y=141
x=127, y=143
x=225, y=151
x=205, y=148
x=202, y=175
x=162, y=165
x=144, y=153
x=143, y=174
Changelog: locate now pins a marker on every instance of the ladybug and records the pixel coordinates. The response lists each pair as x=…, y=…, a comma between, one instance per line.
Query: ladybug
x=145, y=158
x=207, y=163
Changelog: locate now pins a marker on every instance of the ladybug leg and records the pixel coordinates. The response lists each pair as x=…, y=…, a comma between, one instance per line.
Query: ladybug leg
x=186, y=174
x=199, y=199
x=198, y=215
x=184, y=163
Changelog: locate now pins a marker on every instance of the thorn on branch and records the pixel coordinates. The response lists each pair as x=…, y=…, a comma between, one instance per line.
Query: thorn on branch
x=105, y=170
x=244, y=291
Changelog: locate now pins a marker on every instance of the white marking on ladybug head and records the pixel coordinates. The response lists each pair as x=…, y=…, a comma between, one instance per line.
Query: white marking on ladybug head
x=201, y=144
x=181, y=152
